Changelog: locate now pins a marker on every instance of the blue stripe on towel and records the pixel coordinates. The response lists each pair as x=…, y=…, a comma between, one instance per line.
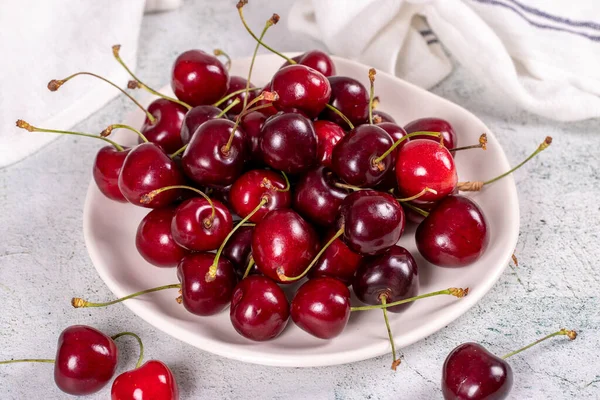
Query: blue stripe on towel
x=556, y=18
x=536, y=24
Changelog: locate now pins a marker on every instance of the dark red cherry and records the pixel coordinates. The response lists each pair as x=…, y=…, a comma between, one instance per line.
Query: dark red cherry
x=238, y=249
x=338, y=261
x=202, y=296
x=259, y=309
x=153, y=380
x=471, y=372
x=283, y=243
x=353, y=157
x=196, y=117
x=147, y=168
x=249, y=189
x=199, y=78
x=396, y=132
x=385, y=117
x=296, y=59
x=86, y=359
x=237, y=83
x=316, y=197
x=373, y=221
x=454, y=234
x=166, y=130
x=425, y=164
x=207, y=161
x=221, y=193
x=154, y=240
x=302, y=88
x=194, y=227
x=252, y=124
x=350, y=97
x=289, y=143
x=393, y=275
x=434, y=125
x=328, y=134
x=268, y=111
x=321, y=307
x=107, y=167
x=319, y=61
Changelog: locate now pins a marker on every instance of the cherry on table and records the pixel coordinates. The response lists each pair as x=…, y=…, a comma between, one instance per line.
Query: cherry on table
x=351, y=98
x=199, y=78
x=153, y=380
x=434, y=125
x=328, y=134
x=165, y=131
x=301, y=87
x=196, y=117
x=154, y=240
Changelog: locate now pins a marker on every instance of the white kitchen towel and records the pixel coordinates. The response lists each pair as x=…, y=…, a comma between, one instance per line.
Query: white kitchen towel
x=543, y=55
x=44, y=40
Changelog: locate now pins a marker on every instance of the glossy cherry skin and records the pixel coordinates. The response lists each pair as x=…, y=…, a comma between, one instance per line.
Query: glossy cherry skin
x=455, y=233
x=396, y=132
x=199, y=78
x=353, y=156
x=237, y=83
x=249, y=189
x=202, y=296
x=315, y=59
x=152, y=381
x=194, y=228
x=328, y=134
x=259, y=309
x=373, y=221
x=154, y=240
x=196, y=117
x=338, y=261
x=425, y=164
x=107, y=167
x=166, y=130
x=385, y=117
x=206, y=160
x=145, y=169
x=434, y=125
x=350, y=97
x=316, y=197
x=284, y=243
x=86, y=359
x=393, y=275
x=321, y=307
x=238, y=249
x=288, y=143
x=252, y=124
x=301, y=87
x=471, y=372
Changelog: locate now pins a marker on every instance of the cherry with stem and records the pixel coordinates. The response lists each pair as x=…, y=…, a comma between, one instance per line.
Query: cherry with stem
x=78, y=302
x=416, y=196
x=456, y=292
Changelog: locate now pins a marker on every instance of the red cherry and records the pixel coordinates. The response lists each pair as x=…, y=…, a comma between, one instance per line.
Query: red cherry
x=196, y=117
x=454, y=234
x=283, y=244
x=237, y=83
x=153, y=380
x=385, y=117
x=154, y=240
x=201, y=296
x=252, y=124
x=199, y=78
x=86, y=360
x=434, y=125
x=396, y=132
x=166, y=130
x=147, y=168
x=321, y=307
x=317, y=60
x=300, y=87
x=338, y=261
x=351, y=98
x=194, y=227
x=425, y=164
x=238, y=248
x=107, y=167
x=328, y=134
x=259, y=309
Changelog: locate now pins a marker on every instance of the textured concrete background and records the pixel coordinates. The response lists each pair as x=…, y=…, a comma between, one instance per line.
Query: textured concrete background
x=43, y=260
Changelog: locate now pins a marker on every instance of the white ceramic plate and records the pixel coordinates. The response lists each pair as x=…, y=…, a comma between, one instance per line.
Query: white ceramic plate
x=109, y=229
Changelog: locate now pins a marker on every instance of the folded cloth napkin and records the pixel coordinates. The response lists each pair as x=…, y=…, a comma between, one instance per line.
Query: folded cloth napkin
x=44, y=40
x=543, y=55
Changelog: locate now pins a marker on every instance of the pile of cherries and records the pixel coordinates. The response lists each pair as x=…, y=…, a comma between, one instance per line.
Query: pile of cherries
x=324, y=184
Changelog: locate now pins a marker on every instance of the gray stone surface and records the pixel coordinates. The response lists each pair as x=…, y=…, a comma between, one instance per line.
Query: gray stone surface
x=43, y=260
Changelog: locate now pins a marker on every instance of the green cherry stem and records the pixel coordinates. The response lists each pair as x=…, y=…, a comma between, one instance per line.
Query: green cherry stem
x=372, y=73
x=233, y=94
x=416, y=196
x=457, y=292
x=563, y=332
x=481, y=145
x=249, y=268
x=148, y=197
x=136, y=83
x=395, y=360
x=106, y=132
x=179, y=151
x=416, y=209
x=23, y=360
x=219, y=52
x=229, y=107
x=139, y=340
x=78, y=302
x=346, y=186
x=341, y=115
x=28, y=127
x=379, y=159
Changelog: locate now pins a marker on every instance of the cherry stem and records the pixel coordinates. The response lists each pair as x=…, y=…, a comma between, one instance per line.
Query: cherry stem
x=477, y=185
x=416, y=196
x=248, y=268
x=110, y=128
x=179, y=151
x=55, y=84
x=233, y=94
x=240, y=5
x=139, y=340
x=266, y=105
x=341, y=115
x=219, y=52
x=395, y=361
x=402, y=139
x=25, y=125
x=212, y=271
x=148, y=197
x=372, y=73
x=266, y=183
x=457, y=292
x=417, y=209
x=78, y=302
x=229, y=107
x=270, y=22
x=281, y=275
x=481, y=145
x=375, y=103
x=137, y=83
x=346, y=186
x=563, y=332
x=40, y=360
x=264, y=95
